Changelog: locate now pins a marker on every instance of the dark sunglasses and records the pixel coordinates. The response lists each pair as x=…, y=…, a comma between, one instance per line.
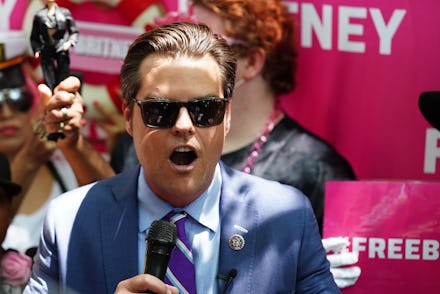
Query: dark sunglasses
x=19, y=99
x=163, y=113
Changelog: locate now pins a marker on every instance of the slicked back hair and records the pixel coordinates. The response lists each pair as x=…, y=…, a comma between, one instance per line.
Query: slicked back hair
x=177, y=40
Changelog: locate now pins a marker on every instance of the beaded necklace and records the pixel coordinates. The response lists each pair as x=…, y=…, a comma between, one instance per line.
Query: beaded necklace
x=262, y=139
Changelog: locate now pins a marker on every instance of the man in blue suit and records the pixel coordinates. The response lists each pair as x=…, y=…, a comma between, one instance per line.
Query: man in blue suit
x=247, y=234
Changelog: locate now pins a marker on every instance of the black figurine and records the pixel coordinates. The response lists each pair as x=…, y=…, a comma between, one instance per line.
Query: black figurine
x=54, y=31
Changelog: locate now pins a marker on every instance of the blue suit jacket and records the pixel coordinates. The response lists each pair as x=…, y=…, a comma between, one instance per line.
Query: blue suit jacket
x=90, y=239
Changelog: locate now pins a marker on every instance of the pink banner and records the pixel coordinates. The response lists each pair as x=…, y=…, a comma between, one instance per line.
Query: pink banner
x=362, y=67
x=395, y=227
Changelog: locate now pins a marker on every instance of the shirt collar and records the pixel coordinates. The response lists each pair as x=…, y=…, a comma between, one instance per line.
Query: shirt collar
x=205, y=209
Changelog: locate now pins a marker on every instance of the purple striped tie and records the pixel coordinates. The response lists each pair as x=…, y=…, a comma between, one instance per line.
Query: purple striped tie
x=180, y=272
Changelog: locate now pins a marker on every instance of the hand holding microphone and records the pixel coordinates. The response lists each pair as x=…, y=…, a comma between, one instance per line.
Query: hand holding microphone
x=145, y=282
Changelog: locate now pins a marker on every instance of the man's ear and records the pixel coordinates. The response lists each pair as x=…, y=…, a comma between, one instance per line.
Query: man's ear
x=128, y=115
x=253, y=62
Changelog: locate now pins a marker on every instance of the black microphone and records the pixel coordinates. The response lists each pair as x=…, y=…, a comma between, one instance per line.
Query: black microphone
x=160, y=242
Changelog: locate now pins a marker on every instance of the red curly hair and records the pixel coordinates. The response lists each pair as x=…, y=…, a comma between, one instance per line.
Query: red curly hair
x=266, y=24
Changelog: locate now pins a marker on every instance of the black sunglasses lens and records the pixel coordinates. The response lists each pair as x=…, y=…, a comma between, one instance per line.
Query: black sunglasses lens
x=19, y=99
x=163, y=114
x=207, y=112
x=159, y=114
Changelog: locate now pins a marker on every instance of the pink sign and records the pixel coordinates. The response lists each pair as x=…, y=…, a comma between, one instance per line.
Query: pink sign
x=362, y=67
x=102, y=49
x=395, y=227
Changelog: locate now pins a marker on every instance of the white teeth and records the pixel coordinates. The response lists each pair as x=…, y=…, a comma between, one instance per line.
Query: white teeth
x=183, y=149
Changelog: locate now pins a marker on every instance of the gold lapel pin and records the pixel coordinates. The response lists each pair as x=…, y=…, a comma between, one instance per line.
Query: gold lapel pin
x=236, y=242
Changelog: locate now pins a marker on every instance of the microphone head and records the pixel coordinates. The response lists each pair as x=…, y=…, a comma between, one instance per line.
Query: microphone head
x=162, y=231
x=160, y=242
x=233, y=273
x=429, y=105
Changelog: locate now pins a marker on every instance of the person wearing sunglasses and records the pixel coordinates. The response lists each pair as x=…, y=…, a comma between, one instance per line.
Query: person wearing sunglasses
x=245, y=234
x=30, y=157
x=43, y=168
x=263, y=140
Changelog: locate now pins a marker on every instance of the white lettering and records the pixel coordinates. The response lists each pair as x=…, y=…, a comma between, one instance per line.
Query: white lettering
x=102, y=47
x=292, y=6
x=412, y=247
x=432, y=150
x=376, y=246
x=311, y=21
x=386, y=32
x=346, y=29
x=6, y=7
x=359, y=244
x=395, y=248
x=430, y=249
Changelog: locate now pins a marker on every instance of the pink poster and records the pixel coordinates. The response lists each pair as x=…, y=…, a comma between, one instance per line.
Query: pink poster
x=362, y=67
x=395, y=227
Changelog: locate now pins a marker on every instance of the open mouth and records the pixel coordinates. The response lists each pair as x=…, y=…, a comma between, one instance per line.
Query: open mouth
x=183, y=156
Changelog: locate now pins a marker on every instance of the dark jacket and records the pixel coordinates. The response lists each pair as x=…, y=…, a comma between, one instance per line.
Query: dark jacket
x=63, y=23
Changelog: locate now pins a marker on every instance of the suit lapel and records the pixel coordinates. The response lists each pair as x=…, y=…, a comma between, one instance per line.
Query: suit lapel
x=119, y=227
x=238, y=236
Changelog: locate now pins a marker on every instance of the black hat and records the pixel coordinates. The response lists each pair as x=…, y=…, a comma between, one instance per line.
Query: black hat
x=11, y=188
x=429, y=104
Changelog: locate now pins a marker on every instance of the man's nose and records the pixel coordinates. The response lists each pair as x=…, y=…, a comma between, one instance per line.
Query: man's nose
x=184, y=122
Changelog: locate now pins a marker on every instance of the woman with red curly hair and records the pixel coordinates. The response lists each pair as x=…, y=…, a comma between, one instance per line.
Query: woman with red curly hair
x=263, y=139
